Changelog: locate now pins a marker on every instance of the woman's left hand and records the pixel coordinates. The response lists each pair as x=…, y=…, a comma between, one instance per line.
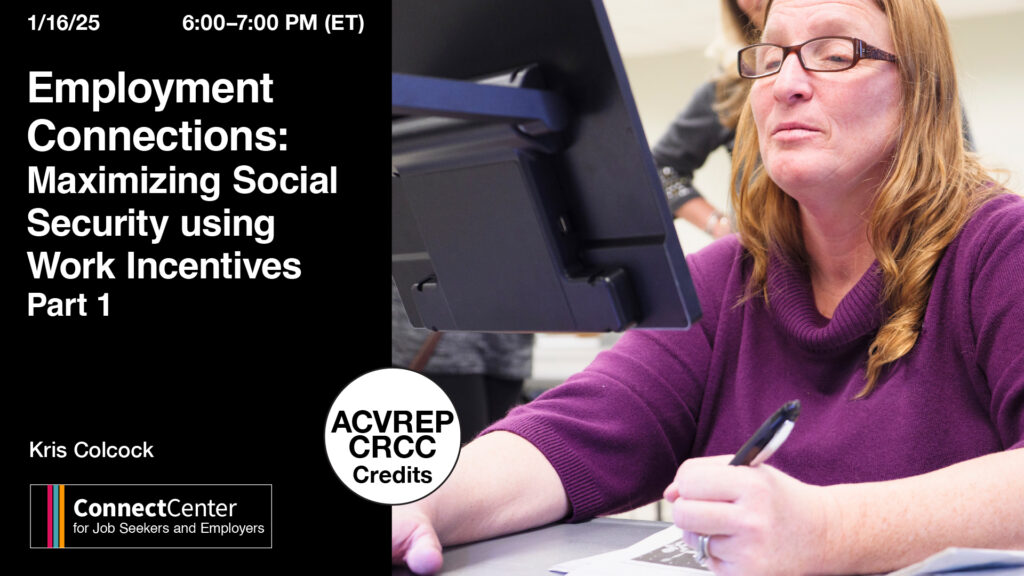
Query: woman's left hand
x=759, y=520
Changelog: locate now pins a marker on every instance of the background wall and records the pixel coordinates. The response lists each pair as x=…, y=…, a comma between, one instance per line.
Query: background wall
x=989, y=52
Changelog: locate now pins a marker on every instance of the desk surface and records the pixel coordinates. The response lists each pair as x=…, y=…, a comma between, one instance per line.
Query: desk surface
x=533, y=552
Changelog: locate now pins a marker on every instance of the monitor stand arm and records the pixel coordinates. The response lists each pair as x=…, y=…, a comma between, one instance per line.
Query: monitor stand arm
x=535, y=111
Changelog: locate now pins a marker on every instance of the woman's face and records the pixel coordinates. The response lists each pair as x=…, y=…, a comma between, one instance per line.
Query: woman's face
x=827, y=135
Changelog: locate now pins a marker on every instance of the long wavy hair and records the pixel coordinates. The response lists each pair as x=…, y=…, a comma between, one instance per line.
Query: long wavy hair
x=932, y=187
x=731, y=90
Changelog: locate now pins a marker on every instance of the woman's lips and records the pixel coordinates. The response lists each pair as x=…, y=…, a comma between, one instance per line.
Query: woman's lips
x=793, y=131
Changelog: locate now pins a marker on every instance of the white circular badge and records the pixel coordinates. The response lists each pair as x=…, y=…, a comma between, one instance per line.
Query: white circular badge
x=392, y=436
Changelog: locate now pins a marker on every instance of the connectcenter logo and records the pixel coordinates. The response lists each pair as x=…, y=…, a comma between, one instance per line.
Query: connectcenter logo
x=150, y=515
x=392, y=436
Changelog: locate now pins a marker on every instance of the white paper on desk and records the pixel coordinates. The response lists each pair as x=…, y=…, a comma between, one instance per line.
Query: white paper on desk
x=963, y=559
x=662, y=553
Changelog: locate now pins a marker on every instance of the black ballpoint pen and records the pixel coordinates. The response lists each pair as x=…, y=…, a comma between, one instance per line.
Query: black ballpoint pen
x=768, y=437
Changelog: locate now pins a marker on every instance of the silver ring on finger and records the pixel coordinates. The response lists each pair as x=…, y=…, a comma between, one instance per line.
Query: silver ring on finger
x=703, y=549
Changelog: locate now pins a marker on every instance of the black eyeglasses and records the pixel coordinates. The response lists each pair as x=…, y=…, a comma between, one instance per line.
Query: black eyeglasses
x=825, y=54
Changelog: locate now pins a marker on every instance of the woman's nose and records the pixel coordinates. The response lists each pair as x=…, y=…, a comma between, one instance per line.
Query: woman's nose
x=792, y=83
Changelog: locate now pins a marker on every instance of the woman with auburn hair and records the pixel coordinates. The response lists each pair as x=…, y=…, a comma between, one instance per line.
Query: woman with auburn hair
x=934, y=184
x=876, y=279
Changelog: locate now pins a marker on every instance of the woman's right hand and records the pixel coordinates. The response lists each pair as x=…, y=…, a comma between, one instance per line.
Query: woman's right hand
x=414, y=541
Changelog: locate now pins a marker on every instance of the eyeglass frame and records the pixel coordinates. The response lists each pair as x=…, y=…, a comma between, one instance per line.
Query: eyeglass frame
x=861, y=51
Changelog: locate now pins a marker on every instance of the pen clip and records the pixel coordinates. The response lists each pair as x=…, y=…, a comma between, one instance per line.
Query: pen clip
x=776, y=441
x=768, y=437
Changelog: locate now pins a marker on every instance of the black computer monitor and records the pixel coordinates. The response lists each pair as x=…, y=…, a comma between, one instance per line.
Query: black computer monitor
x=524, y=196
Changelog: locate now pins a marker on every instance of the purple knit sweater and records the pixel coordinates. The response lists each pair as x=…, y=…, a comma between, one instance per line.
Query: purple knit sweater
x=617, y=432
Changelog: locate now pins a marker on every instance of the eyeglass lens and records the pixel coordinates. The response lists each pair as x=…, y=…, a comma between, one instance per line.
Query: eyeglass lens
x=822, y=55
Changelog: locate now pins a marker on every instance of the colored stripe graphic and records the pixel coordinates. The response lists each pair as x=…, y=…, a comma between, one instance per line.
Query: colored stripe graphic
x=61, y=515
x=56, y=516
x=49, y=515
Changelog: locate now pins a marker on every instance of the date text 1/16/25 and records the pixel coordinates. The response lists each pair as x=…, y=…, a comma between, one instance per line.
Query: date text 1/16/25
x=64, y=22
